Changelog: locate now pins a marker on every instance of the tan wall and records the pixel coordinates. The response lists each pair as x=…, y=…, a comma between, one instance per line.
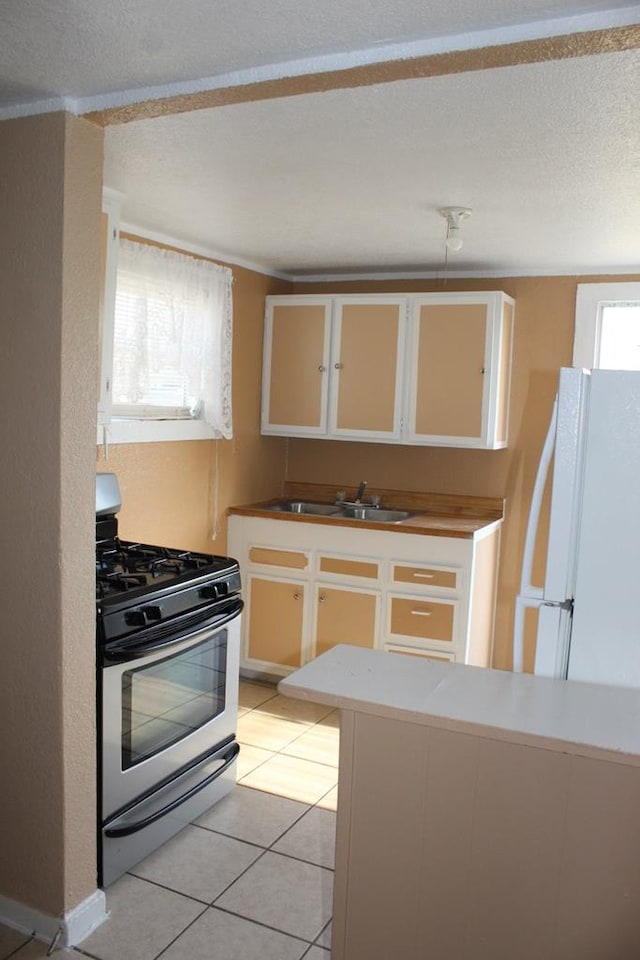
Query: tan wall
x=50, y=186
x=168, y=489
x=543, y=343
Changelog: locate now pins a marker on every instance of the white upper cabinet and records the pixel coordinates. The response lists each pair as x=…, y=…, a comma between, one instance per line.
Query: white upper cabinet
x=458, y=369
x=429, y=369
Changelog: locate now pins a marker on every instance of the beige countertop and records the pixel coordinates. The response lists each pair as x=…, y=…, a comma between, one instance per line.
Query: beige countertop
x=436, y=515
x=565, y=716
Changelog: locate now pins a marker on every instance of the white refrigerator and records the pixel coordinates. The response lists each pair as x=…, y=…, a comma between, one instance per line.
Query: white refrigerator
x=588, y=624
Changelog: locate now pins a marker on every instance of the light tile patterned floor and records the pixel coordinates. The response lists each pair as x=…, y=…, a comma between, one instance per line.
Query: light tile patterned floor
x=251, y=879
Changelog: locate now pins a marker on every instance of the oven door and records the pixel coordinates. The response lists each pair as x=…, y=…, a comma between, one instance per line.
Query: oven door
x=165, y=704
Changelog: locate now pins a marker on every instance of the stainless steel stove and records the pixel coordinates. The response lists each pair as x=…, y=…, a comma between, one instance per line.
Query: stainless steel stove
x=168, y=650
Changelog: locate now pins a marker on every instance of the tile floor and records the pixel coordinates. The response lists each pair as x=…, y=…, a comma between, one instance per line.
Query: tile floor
x=252, y=878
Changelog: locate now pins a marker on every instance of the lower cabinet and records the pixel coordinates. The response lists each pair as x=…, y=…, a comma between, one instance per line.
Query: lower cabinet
x=309, y=587
x=345, y=615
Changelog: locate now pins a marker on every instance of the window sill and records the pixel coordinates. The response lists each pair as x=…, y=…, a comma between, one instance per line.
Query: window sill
x=153, y=431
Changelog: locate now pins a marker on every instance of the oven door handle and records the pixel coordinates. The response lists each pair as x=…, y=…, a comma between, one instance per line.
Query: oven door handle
x=130, y=650
x=125, y=831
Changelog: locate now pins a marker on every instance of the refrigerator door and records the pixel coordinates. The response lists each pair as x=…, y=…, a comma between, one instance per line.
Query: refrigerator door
x=566, y=490
x=605, y=640
x=552, y=641
x=561, y=453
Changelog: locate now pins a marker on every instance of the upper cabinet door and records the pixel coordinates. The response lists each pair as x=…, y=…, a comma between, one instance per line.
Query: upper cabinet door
x=296, y=366
x=366, y=367
x=458, y=369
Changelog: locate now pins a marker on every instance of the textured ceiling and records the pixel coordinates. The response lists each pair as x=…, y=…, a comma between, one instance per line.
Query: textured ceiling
x=547, y=154
x=81, y=48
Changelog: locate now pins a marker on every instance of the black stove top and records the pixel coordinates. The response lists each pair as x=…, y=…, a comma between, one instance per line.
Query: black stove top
x=124, y=567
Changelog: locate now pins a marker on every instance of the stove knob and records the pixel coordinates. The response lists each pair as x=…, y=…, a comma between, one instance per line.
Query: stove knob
x=153, y=613
x=210, y=592
x=135, y=618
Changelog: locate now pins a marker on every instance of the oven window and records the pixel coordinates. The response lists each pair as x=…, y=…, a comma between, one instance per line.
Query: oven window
x=165, y=702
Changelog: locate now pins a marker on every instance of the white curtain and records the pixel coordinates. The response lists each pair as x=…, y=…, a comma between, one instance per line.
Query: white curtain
x=172, y=337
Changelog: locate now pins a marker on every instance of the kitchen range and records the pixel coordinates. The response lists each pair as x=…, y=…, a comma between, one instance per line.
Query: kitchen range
x=168, y=641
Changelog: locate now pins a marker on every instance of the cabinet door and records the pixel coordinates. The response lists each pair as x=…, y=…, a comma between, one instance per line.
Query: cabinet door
x=295, y=366
x=275, y=610
x=366, y=367
x=345, y=616
x=458, y=369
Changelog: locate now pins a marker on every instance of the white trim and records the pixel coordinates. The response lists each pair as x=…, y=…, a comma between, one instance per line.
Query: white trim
x=200, y=251
x=153, y=431
x=71, y=928
x=589, y=297
x=477, y=39
x=498, y=273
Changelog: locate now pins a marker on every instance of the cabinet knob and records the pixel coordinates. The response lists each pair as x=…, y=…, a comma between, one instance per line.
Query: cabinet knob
x=296, y=595
x=322, y=368
x=483, y=369
x=322, y=597
x=338, y=366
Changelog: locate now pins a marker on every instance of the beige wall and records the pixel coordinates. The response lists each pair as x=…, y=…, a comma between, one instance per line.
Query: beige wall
x=50, y=187
x=169, y=489
x=543, y=343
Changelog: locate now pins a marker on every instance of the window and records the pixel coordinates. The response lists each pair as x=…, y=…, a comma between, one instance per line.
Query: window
x=170, y=347
x=607, y=333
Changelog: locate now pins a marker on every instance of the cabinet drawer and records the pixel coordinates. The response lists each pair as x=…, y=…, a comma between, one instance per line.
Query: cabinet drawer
x=420, y=652
x=349, y=567
x=270, y=557
x=424, y=619
x=425, y=576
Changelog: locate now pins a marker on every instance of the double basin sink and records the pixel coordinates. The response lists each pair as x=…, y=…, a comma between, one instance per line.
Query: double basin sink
x=347, y=511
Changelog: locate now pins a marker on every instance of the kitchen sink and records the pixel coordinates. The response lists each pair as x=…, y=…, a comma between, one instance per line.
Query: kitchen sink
x=375, y=513
x=353, y=512
x=302, y=506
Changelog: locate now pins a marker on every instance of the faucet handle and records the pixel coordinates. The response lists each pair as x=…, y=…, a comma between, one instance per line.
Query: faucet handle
x=374, y=500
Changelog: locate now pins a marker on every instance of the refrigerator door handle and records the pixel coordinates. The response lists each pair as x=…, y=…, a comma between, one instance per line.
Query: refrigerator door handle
x=531, y=596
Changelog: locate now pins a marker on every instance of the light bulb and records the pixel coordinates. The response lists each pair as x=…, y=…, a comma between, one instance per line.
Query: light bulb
x=454, y=240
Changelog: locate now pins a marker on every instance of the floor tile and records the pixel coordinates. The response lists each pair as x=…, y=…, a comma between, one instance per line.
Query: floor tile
x=144, y=920
x=332, y=719
x=249, y=758
x=317, y=953
x=294, y=778
x=270, y=733
x=198, y=863
x=318, y=743
x=218, y=934
x=251, y=694
x=312, y=838
x=10, y=940
x=329, y=801
x=286, y=894
x=36, y=950
x=324, y=940
x=304, y=711
x=252, y=815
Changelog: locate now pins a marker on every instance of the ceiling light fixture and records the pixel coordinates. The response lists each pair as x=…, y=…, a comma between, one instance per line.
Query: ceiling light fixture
x=454, y=217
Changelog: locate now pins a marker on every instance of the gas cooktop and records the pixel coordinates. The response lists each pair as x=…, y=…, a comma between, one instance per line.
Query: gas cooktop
x=124, y=567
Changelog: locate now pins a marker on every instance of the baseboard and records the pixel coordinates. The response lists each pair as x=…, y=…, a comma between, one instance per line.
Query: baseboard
x=67, y=930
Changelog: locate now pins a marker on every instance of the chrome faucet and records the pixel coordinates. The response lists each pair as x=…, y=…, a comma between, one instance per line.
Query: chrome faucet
x=361, y=490
x=341, y=498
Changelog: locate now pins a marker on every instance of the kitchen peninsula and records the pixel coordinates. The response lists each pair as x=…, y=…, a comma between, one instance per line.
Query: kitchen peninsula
x=481, y=814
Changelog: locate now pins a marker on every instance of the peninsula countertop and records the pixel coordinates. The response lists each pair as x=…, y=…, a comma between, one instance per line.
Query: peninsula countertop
x=567, y=716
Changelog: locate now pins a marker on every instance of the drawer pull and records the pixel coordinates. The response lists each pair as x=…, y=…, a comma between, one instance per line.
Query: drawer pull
x=421, y=613
x=423, y=576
